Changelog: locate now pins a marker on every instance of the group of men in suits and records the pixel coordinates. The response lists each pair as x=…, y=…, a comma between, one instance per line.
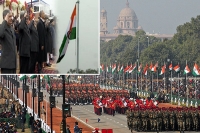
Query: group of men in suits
x=35, y=39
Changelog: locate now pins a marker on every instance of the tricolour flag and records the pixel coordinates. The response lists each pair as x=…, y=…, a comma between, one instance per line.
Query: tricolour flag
x=154, y=68
x=121, y=69
x=177, y=68
x=132, y=68
x=22, y=77
x=114, y=68
x=140, y=68
x=186, y=70
x=32, y=76
x=127, y=68
x=48, y=79
x=163, y=70
x=196, y=71
x=101, y=68
x=170, y=67
x=69, y=35
x=145, y=70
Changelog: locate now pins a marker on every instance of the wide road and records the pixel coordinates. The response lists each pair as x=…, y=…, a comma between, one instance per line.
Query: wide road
x=118, y=122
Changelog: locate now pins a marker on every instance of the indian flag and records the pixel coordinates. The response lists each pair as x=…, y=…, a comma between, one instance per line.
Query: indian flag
x=140, y=69
x=186, y=70
x=69, y=35
x=153, y=69
x=101, y=68
x=170, y=67
x=132, y=68
x=195, y=71
x=32, y=76
x=163, y=70
x=22, y=77
x=121, y=69
x=48, y=79
x=177, y=68
x=113, y=68
x=145, y=70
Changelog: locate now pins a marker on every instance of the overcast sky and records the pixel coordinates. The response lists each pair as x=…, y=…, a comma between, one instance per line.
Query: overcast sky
x=88, y=34
x=160, y=16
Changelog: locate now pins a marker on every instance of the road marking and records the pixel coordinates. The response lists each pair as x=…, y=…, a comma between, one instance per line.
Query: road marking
x=125, y=126
x=110, y=119
x=122, y=124
x=117, y=122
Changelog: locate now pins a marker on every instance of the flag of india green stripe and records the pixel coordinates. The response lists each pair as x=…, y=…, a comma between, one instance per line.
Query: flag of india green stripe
x=33, y=76
x=22, y=76
x=69, y=35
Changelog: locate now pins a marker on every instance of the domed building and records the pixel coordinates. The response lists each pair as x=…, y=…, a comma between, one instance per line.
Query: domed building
x=127, y=22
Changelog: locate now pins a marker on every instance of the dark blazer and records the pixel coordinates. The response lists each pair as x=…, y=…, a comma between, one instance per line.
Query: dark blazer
x=24, y=39
x=8, y=42
x=34, y=37
x=49, y=39
x=42, y=40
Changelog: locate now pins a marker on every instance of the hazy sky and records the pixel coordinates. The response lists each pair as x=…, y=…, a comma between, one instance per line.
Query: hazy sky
x=88, y=34
x=160, y=16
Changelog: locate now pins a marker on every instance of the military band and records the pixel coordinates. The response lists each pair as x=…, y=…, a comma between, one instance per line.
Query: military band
x=163, y=119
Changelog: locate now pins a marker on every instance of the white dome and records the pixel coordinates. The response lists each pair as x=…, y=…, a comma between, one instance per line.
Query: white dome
x=127, y=12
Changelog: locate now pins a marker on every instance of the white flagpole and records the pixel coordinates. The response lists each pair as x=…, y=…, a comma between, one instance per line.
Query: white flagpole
x=186, y=85
x=171, y=85
x=77, y=14
x=164, y=79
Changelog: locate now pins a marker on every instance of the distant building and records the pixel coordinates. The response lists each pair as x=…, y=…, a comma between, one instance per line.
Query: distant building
x=127, y=24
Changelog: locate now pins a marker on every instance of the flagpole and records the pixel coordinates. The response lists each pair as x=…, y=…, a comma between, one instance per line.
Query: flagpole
x=164, y=79
x=171, y=85
x=195, y=90
x=186, y=84
x=178, y=88
x=77, y=70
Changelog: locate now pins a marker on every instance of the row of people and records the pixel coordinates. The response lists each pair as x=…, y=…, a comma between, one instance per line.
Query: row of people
x=34, y=40
x=163, y=119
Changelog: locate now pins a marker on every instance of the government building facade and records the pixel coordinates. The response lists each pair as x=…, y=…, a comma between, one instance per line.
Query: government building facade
x=127, y=24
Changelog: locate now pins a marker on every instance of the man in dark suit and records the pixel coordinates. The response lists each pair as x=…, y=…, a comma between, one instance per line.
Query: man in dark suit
x=24, y=43
x=34, y=44
x=8, y=42
x=42, y=40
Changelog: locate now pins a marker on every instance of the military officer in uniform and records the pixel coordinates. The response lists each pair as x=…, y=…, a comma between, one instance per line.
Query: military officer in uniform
x=195, y=117
x=188, y=120
x=159, y=120
x=144, y=120
x=172, y=120
x=151, y=118
x=166, y=119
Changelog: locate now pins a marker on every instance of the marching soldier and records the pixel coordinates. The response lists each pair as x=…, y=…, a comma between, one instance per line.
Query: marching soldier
x=138, y=123
x=188, y=120
x=195, y=117
x=159, y=120
x=151, y=118
x=182, y=120
x=172, y=120
x=144, y=119
x=128, y=117
x=166, y=119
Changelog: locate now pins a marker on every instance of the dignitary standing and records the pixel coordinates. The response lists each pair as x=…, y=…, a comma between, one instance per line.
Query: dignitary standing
x=24, y=43
x=42, y=40
x=8, y=42
x=49, y=41
x=34, y=44
x=53, y=33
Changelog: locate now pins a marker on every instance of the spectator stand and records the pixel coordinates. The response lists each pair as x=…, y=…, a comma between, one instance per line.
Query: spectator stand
x=44, y=126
